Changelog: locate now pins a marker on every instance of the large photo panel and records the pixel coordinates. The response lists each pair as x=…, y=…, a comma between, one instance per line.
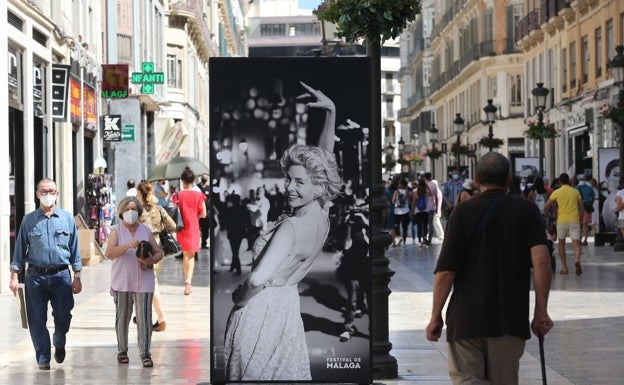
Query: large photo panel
x=290, y=173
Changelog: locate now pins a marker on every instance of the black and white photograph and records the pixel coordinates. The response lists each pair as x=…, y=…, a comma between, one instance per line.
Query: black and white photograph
x=608, y=180
x=289, y=206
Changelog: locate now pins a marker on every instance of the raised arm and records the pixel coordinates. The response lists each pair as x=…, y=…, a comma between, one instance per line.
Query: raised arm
x=328, y=135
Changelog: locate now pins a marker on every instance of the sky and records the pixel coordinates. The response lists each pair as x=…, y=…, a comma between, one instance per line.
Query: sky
x=309, y=4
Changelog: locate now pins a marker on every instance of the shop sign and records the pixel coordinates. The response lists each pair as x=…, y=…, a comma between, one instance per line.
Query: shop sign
x=127, y=133
x=111, y=128
x=77, y=103
x=148, y=78
x=115, y=81
x=60, y=92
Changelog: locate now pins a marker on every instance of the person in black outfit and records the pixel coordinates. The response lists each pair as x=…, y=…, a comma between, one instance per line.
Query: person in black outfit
x=234, y=214
x=204, y=223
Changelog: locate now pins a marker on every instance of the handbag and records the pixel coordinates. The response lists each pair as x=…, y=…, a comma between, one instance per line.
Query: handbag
x=176, y=215
x=168, y=243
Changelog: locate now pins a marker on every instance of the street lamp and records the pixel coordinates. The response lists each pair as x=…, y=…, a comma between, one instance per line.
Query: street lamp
x=617, y=69
x=401, y=144
x=389, y=150
x=459, y=128
x=539, y=98
x=434, y=139
x=490, y=114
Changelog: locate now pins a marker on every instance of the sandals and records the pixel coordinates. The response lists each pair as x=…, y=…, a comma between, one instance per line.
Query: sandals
x=147, y=361
x=187, y=288
x=122, y=358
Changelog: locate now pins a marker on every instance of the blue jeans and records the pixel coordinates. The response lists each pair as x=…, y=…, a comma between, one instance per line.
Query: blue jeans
x=41, y=289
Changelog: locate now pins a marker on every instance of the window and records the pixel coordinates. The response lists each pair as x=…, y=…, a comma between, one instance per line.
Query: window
x=598, y=37
x=174, y=71
x=564, y=70
x=515, y=99
x=573, y=73
x=390, y=107
x=306, y=29
x=273, y=30
x=584, y=59
x=610, y=44
x=488, y=25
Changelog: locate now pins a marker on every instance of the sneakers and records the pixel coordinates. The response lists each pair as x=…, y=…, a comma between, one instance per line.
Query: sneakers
x=159, y=327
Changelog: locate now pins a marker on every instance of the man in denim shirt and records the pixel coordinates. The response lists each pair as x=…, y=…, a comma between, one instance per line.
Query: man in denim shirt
x=48, y=241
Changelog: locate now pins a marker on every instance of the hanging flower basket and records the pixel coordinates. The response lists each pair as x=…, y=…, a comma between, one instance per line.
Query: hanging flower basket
x=462, y=149
x=488, y=142
x=538, y=131
x=414, y=157
x=433, y=153
x=614, y=114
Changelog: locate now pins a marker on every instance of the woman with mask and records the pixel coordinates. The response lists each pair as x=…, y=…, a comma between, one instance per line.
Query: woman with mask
x=132, y=278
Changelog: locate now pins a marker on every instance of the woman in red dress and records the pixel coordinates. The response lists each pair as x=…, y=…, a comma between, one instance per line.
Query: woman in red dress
x=192, y=207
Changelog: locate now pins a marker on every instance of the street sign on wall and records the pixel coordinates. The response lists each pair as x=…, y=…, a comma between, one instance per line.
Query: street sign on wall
x=127, y=133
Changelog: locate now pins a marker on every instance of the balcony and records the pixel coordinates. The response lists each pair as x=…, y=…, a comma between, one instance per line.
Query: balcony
x=546, y=17
x=198, y=29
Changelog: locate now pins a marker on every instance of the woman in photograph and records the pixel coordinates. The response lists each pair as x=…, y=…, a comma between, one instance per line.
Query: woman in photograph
x=132, y=278
x=265, y=338
x=609, y=209
x=192, y=207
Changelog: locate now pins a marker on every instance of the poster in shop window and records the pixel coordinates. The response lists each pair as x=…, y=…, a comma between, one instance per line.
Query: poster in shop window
x=290, y=174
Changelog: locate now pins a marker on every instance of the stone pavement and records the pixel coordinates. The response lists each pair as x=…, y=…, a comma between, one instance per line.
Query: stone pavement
x=586, y=346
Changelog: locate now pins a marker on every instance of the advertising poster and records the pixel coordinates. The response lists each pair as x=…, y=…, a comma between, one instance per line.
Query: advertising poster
x=290, y=173
x=608, y=180
x=526, y=167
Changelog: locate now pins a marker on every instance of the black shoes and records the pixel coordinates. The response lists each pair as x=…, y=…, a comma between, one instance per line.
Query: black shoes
x=45, y=365
x=59, y=355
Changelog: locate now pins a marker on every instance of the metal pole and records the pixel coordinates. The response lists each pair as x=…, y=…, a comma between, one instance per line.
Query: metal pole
x=490, y=135
x=384, y=364
x=540, y=122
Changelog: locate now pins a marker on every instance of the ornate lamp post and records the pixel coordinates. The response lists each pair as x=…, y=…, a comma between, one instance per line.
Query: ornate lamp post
x=401, y=144
x=490, y=114
x=617, y=69
x=434, y=139
x=389, y=150
x=539, y=98
x=459, y=128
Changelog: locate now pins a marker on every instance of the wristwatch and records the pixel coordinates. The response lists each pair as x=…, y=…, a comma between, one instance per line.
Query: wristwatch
x=77, y=274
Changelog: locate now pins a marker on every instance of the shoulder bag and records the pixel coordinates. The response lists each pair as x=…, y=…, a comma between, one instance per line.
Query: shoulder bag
x=168, y=243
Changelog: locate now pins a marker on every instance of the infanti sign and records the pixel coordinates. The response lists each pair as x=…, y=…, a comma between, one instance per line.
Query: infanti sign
x=290, y=171
x=148, y=78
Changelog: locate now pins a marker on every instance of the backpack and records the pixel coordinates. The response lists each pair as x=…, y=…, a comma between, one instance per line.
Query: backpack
x=421, y=203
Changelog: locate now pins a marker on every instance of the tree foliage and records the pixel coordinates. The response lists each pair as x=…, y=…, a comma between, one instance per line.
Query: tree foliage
x=369, y=19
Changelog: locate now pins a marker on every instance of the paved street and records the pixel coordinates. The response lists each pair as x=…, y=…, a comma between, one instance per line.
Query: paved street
x=586, y=345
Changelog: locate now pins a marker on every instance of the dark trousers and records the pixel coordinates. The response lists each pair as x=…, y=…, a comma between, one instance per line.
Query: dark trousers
x=204, y=227
x=235, y=242
x=422, y=221
x=401, y=222
x=41, y=289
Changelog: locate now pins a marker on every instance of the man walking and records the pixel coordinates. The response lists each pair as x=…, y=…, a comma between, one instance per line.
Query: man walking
x=489, y=246
x=569, y=210
x=588, y=196
x=432, y=204
x=452, y=188
x=48, y=241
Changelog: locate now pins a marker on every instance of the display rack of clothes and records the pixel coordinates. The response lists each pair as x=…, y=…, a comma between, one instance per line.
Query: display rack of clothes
x=100, y=207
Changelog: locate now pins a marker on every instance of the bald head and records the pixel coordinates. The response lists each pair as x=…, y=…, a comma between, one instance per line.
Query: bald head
x=493, y=170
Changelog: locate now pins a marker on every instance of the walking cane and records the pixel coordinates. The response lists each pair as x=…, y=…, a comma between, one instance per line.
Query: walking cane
x=541, y=348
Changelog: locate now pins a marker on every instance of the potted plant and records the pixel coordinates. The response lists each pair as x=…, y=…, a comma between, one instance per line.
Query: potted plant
x=433, y=153
x=488, y=142
x=614, y=114
x=462, y=149
x=539, y=130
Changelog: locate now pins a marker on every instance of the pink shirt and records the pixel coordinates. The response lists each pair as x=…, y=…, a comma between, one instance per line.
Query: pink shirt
x=126, y=272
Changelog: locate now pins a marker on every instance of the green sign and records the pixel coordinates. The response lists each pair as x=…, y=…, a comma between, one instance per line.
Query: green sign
x=127, y=133
x=148, y=78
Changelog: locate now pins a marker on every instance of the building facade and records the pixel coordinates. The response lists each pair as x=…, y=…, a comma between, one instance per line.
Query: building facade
x=53, y=111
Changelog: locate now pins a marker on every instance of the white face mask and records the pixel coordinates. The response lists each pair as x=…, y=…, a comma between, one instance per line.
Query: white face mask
x=48, y=200
x=130, y=217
